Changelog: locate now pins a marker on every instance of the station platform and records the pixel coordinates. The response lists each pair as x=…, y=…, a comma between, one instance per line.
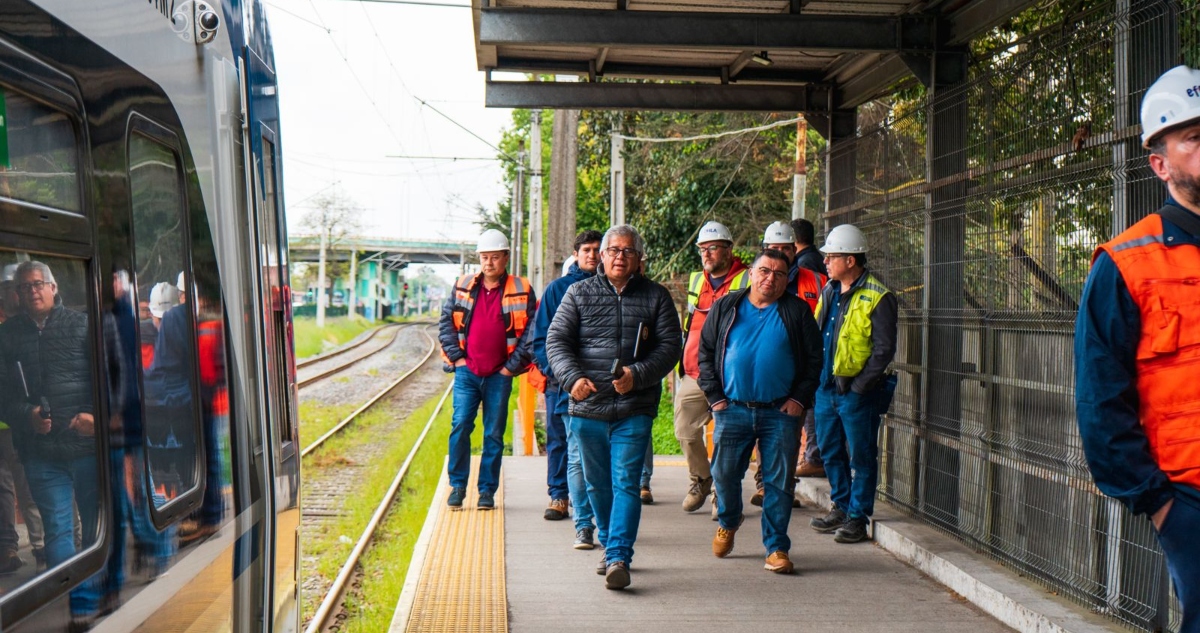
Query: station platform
x=511, y=570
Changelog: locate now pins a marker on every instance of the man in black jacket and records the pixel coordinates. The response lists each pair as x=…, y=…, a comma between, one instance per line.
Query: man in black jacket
x=613, y=340
x=759, y=389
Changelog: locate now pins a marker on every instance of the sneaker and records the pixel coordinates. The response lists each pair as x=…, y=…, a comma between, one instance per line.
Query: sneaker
x=830, y=522
x=603, y=566
x=455, y=500
x=723, y=541
x=616, y=576
x=647, y=497
x=779, y=563
x=487, y=501
x=756, y=498
x=10, y=562
x=808, y=469
x=697, y=492
x=583, y=539
x=853, y=531
x=557, y=510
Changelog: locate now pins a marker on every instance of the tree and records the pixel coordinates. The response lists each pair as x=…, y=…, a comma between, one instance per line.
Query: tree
x=333, y=218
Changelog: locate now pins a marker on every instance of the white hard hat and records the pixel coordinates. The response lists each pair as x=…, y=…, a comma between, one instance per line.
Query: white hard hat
x=1174, y=99
x=779, y=233
x=713, y=231
x=181, y=283
x=163, y=297
x=845, y=239
x=566, y=268
x=492, y=240
x=10, y=272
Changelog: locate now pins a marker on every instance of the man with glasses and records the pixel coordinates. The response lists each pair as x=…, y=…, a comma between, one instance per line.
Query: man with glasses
x=48, y=380
x=614, y=338
x=723, y=273
x=857, y=318
x=760, y=356
x=485, y=341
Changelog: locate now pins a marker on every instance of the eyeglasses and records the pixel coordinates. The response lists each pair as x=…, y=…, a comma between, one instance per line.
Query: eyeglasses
x=836, y=256
x=31, y=285
x=628, y=253
x=713, y=249
x=778, y=275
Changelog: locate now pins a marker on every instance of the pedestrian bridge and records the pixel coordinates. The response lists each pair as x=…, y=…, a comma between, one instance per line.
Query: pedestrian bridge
x=394, y=253
x=511, y=570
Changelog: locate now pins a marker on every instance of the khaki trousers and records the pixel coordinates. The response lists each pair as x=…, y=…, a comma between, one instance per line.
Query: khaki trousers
x=691, y=417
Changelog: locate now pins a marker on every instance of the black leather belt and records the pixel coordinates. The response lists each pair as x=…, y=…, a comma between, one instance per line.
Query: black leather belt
x=760, y=405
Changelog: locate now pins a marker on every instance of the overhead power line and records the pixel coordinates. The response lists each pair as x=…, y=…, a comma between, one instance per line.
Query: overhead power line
x=705, y=137
x=451, y=158
x=417, y=3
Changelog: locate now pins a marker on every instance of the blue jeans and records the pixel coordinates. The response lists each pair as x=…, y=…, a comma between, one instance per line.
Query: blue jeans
x=469, y=391
x=648, y=465
x=735, y=432
x=575, y=482
x=58, y=486
x=556, y=447
x=848, y=432
x=613, y=455
x=1183, y=558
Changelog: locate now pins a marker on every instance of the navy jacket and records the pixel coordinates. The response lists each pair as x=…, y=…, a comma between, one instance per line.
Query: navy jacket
x=551, y=297
x=811, y=259
x=1106, y=400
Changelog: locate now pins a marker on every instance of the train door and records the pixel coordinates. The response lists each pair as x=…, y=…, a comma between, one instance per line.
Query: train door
x=284, y=528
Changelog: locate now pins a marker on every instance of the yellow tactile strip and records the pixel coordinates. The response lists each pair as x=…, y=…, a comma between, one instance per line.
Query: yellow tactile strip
x=462, y=583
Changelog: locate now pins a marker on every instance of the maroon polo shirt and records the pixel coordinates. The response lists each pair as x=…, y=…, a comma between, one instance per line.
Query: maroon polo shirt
x=487, y=349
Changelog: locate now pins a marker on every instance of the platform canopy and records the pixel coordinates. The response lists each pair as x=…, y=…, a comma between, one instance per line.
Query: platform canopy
x=749, y=55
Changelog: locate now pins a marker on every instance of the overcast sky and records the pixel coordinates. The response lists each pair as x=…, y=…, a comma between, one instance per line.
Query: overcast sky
x=347, y=104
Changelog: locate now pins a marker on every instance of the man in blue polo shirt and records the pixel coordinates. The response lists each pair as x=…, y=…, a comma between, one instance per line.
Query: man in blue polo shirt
x=760, y=359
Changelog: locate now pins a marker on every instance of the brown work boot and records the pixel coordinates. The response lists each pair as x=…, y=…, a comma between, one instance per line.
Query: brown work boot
x=723, y=541
x=699, y=489
x=779, y=563
x=806, y=469
x=757, y=498
x=557, y=511
x=647, y=497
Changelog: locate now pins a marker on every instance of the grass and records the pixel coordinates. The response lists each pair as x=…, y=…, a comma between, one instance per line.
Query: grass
x=311, y=340
x=662, y=434
x=398, y=533
x=317, y=418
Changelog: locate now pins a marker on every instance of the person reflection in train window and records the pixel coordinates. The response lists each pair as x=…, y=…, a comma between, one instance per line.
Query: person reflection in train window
x=14, y=490
x=214, y=399
x=54, y=427
x=170, y=406
x=163, y=297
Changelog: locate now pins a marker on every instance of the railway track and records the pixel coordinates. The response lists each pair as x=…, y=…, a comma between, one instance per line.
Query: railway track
x=394, y=330
x=331, y=604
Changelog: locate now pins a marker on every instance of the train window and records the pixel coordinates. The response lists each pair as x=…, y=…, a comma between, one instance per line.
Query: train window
x=275, y=277
x=39, y=153
x=50, y=477
x=171, y=425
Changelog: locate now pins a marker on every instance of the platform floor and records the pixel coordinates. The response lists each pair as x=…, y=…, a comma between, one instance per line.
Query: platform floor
x=678, y=586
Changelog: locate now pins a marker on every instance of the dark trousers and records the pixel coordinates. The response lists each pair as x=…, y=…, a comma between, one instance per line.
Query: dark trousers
x=1179, y=543
x=556, y=447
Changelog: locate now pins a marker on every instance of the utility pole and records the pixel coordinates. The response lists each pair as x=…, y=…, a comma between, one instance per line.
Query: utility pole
x=518, y=211
x=534, y=267
x=321, y=279
x=560, y=226
x=617, y=162
x=800, y=179
x=353, y=282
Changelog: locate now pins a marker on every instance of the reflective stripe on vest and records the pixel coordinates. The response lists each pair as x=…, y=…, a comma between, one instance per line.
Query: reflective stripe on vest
x=808, y=287
x=513, y=305
x=696, y=284
x=854, y=338
x=1164, y=282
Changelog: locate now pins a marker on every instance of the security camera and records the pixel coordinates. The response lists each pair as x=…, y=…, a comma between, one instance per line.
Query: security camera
x=207, y=22
x=196, y=21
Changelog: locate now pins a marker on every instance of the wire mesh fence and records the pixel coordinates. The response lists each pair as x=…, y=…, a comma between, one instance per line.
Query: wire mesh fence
x=983, y=202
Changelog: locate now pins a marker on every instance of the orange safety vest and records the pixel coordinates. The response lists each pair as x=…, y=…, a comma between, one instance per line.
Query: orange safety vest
x=1164, y=282
x=514, y=304
x=701, y=295
x=808, y=287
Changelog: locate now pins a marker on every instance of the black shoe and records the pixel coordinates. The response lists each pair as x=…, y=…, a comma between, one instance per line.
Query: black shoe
x=456, y=498
x=487, y=501
x=756, y=499
x=583, y=539
x=10, y=562
x=616, y=576
x=603, y=566
x=853, y=531
x=830, y=522
x=39, y=556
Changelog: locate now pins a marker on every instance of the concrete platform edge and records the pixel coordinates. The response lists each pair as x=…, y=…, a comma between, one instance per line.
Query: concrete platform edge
x=997, y=590
x=416, y=564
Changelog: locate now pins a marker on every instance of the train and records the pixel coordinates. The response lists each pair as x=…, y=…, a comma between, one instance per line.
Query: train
x=149, y=457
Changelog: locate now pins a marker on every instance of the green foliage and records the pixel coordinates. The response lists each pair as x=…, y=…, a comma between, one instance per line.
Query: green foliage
x=662, y=434
x=311, y=340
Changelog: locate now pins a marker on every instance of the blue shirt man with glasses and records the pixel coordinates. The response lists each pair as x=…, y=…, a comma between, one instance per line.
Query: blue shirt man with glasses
x=760, y=359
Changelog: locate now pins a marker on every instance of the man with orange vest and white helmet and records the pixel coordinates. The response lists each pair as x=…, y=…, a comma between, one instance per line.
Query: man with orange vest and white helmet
x=1137, y=341
x=485, y=337
x=722, y=273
